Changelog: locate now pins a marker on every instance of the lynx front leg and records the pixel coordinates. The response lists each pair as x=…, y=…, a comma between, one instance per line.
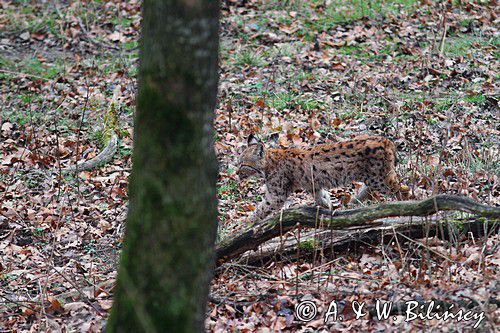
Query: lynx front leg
x=323, y=198
x=363, y=193
x=272, y=202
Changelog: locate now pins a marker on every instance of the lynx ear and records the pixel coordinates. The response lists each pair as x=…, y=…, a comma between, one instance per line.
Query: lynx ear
x=273, y=139
x=252, y=140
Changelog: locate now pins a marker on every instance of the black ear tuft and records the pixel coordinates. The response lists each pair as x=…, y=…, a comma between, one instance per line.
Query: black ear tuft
x=252, y=140
x=274, y=137
x=260, y=147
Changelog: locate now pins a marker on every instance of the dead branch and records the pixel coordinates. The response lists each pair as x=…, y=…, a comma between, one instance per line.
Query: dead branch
x=109, y=130
x=102, y=158
x=314, y=217
x=329, y=241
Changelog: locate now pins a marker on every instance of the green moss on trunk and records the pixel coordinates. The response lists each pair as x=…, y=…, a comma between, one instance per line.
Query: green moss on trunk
x=166, y=263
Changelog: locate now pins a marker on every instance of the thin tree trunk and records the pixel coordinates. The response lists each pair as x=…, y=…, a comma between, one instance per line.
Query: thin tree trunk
x=167, y=260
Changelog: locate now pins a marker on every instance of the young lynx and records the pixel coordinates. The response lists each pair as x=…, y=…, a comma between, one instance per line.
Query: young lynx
x=368, y=159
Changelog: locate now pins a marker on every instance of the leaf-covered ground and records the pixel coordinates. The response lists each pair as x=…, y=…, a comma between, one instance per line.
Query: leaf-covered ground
x=311, y=71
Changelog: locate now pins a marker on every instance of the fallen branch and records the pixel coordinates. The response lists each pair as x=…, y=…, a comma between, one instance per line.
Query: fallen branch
x=102, y=158
x=328, y=241
x=313, y=217
x=109, y=131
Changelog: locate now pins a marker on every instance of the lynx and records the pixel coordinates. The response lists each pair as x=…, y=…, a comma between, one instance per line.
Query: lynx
x=367, y=159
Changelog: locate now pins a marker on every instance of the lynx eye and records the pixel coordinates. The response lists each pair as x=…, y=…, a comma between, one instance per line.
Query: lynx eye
x=246, y=169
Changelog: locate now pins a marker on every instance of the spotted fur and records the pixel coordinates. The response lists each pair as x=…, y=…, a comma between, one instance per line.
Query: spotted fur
x=367, y=159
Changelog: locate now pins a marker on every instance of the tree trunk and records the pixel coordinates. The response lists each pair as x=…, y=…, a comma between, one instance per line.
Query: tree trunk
x=168, y=255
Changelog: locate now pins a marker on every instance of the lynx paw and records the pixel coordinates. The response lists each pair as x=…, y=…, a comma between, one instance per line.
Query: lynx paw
x=323, y=199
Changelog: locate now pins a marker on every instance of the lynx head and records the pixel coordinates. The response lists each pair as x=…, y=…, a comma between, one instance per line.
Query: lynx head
x=251, y=161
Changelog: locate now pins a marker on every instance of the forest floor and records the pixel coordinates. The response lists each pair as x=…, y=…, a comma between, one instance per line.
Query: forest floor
x=313, y=72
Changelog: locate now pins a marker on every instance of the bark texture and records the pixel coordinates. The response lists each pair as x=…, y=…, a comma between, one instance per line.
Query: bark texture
x=167, y=260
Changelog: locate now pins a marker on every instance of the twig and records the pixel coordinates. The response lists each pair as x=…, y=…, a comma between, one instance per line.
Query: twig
x=84, y=297
x=21, y=305
x=441, y=43
x=445, y=27
x=93, y=40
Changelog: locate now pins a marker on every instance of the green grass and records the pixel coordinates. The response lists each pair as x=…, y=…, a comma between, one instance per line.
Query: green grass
x=97, y=135
x=130, y=45
x=21, y=113
x=281, y=101
x=348, y=11
x=229, y=190
x=443, y=104
x=482, y=163
x=108, y=65
x=309, y=103
x=464, y=45
x=311, y=17
x=32, y=66
x=475, y=98
x=124, y=151
x=122, y=21
x=345, y=11
x=291, y=100
x=363, y=52
x=4, y=65
x=46, y=70
x=466, y=22
x=353, y=112
x=36, y=16
x=283, y=50
x=302, y=75
x=248, y=58
x=25, y=17
x=357, y=51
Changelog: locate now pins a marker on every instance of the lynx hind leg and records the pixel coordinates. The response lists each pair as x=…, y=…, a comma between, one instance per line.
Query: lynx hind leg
x=323, y=198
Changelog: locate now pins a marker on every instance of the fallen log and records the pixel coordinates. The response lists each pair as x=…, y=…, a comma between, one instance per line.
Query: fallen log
x=316, y=217
x=334, y=241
